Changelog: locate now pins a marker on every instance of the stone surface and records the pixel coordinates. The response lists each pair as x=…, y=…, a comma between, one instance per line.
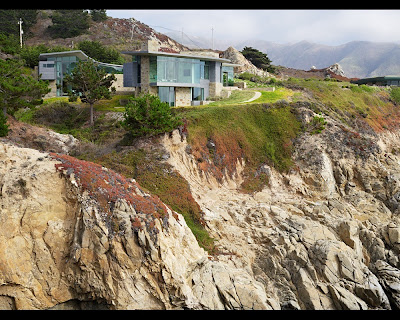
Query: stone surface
x=58, y=247
x=324, y=236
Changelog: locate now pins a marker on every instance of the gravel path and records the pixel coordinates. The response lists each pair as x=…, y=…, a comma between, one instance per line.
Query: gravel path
x=257, y=94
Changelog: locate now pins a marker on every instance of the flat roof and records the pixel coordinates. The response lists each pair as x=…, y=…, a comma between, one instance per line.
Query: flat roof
x=80, y=54
x=231, y=65
x=177, y=55
x=376, y=79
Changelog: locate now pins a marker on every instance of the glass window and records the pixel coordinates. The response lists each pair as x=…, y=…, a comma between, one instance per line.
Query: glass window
x=153, y=69
x=227, y=73
x=167, y=94
x=204, y=70
x=196, y=72
x=207, y=70
x=197, y=94
x=185, y=70
x=177, y=70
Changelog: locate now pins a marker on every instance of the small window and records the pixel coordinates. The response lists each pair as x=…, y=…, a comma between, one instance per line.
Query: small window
x=187, y=72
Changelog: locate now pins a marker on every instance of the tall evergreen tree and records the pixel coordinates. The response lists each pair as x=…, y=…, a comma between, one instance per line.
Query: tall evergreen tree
x=17, y=87
x=90, y=83
x=258, y=58
x=69, y=23
x=98, y=14
x=9, y=21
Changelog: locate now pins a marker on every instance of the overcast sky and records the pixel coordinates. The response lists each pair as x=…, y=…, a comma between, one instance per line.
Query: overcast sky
x=331, y=27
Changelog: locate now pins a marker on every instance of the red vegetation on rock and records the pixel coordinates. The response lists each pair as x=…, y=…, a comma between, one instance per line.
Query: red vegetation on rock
x=106, y=187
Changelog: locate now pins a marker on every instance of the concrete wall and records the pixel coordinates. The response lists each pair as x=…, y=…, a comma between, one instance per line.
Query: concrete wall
x=119, y=84
x=215, y=71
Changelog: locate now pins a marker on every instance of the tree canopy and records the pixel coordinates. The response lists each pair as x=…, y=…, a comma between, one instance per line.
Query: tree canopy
x=148, y=115
x=99, y=52
x=69, y=23
x=9, y=21
x=90, y=83
x=258, y=58
x=98, y=14
x=17, y=87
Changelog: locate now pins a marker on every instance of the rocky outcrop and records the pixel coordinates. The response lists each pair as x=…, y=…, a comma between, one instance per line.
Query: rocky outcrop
x=324, y=236
x=66, y=245
x=246, y=66
x=336, y=69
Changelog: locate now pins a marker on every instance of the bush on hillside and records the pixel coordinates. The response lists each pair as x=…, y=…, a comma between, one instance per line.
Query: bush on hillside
x=3, y=125
x=61, y=114
x=99, y=52
x=69, y=23
x=395, y=94
x=147, y=115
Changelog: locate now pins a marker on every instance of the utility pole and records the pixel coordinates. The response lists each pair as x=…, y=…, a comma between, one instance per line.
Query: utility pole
x=20, y=22
x=182, y=36
x=132, y=25
x=212, y=37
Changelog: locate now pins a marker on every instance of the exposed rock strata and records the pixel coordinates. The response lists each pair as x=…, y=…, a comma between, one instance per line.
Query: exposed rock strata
x=325, y=236
x=59, y=249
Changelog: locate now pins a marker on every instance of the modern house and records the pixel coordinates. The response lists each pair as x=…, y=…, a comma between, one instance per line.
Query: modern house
x=180, y=79
x=53, y=66
x=379, y=81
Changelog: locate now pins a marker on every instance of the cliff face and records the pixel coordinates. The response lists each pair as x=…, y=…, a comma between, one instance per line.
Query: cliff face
x=66, y=245
x=326, y=235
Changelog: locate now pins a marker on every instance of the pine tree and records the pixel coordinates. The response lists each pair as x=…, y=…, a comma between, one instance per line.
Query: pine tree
x=17, y=87
x=258, y=58
x=90, y=83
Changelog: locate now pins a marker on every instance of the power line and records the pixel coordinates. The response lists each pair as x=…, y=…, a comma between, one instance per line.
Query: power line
x=181, y=31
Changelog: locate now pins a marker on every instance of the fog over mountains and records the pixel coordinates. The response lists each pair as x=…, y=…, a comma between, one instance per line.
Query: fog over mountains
x=358, y=58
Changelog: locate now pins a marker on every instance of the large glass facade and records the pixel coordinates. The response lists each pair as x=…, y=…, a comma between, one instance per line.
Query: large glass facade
x=64, y=65
x=177, y=70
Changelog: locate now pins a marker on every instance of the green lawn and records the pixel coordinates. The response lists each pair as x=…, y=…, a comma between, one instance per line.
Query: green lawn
x=237, y=96
x=273, y=96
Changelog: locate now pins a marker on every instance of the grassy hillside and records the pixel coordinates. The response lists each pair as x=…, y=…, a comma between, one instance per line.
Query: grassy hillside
x=259, y=133
x=372, y=106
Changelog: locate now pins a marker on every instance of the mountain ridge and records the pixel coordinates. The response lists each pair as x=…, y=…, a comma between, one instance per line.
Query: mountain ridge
x=358, y=58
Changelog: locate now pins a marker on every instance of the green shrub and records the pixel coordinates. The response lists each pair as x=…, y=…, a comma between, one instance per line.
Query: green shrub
x=68, y=23
x=361, y=88
x=147, y=115
x=61, y=116
x=99, y=52
x=317, y=124
x=395, y=94
x=3, y=125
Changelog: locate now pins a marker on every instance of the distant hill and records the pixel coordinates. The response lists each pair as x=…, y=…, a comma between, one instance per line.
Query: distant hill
x=122, y=34
x=357, y=58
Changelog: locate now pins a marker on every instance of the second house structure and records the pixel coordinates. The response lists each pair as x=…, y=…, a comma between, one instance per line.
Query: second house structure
x=180, y=79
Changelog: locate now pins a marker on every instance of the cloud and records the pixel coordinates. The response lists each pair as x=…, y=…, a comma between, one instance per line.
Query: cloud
x=332, y=27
